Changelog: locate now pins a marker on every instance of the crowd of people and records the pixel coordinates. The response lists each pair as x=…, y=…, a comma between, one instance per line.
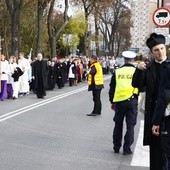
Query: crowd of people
x=18, y=79
x=156, y=123
x=20, y=76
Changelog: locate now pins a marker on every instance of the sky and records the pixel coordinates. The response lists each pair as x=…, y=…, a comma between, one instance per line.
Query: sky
x=60, y=6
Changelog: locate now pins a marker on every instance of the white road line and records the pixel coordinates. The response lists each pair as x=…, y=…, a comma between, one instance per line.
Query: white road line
x=38, y=104
x=141, y=153
x=41, y=103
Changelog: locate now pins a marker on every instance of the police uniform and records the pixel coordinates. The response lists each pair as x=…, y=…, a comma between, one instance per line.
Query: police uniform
x=95, y=84
x=125, y=99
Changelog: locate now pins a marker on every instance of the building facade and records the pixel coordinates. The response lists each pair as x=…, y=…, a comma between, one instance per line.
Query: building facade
x=142, y=11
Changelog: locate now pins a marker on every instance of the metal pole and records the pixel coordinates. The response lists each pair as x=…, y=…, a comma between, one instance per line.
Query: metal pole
x=158, y=3
x=162, y=3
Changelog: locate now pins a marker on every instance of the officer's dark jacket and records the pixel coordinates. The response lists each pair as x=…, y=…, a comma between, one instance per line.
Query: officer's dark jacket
x=163, y=96
x=149, y=79
x=93, y=86
x=113, y=83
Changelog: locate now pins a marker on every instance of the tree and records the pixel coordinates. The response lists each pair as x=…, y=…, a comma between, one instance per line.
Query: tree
x=88, y=6
x=110, y=16
x=28, y=26
x=4, y=29
x=41, y=6
x=75, y=29
x=14, y=8
x=54, y=29
x=123, y=36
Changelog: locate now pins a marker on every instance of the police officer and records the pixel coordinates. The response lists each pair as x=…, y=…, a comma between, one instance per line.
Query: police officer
x=96, y=84
x=161, y=117
x=124, y=100
x=148, y=76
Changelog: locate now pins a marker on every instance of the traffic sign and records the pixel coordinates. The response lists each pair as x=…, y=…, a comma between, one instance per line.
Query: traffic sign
x=161, y=17
x=164, y=31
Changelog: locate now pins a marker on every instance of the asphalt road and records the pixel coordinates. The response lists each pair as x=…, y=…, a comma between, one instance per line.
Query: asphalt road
x=54, y=133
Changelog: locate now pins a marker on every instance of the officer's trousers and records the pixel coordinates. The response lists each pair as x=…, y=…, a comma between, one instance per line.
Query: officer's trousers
x=165, y=136
x=125, y=109
x=97, y=102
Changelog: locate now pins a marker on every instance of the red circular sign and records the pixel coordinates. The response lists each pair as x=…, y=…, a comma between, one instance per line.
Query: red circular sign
x=161, y=17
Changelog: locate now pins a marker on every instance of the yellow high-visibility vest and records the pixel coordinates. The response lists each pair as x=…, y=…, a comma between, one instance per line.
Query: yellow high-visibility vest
x=98, y=78
x=124, y=89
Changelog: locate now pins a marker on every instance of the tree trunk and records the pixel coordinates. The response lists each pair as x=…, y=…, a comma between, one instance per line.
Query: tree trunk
x=86, y=36
x=52, y=43
x=86, y=43
x=14, y=9
x=40, y=11
x=6, y=42
x=15, y=36
x=51, y=31
x=54, y=32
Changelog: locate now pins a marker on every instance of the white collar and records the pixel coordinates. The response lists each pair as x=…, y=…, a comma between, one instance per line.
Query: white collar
x=160, y=62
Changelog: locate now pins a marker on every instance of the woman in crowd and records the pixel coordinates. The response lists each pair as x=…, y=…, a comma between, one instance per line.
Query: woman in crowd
x=17, y=72
x=10, y=79
x=4, y=77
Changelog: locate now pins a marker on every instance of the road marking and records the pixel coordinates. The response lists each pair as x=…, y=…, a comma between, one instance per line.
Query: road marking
x=141, y=153
x=41, y=103
x=38, y=104
x=140, y=160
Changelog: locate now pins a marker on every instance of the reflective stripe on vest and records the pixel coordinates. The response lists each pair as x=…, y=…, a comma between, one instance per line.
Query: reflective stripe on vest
x=124, y=89
x=98, y=78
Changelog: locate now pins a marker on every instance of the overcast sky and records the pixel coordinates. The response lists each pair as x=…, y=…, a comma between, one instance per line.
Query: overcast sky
x=60, y=6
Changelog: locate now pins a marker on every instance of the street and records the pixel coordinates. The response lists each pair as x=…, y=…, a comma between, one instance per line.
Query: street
x=54, y=133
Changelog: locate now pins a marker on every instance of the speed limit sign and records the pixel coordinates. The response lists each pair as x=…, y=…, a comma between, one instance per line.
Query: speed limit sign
x=161, y=17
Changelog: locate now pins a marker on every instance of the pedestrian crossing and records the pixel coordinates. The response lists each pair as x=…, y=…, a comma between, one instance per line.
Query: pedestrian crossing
x=141, y=153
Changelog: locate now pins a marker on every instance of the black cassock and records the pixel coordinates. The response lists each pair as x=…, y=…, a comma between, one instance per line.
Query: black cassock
x=40, y=72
